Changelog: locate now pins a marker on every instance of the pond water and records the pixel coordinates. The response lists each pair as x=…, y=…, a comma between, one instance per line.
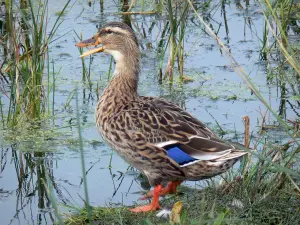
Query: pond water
x=217, y=96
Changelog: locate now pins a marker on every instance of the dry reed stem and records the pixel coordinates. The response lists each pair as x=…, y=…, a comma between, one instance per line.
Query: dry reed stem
x=247, y=131
x=132, y=3
x=246, y=120
x=172, y=54
x=169, y=69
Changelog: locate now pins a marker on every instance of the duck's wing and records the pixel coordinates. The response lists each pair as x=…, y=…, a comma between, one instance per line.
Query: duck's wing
x=181, y=130
x=181, y=137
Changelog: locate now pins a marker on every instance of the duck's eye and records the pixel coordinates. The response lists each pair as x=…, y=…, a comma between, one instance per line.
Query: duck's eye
x=109, y=31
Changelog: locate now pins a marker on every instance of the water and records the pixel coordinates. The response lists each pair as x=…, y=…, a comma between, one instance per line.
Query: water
x=217, y=95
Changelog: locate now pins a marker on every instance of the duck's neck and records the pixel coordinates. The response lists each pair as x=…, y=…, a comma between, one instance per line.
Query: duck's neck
x=123, y=87
x=126, y=74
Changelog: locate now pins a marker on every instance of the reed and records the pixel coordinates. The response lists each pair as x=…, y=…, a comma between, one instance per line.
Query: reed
x=175, y=28
x=279, y=16
x=261, y=174
x=85, y=70
x=27, y=44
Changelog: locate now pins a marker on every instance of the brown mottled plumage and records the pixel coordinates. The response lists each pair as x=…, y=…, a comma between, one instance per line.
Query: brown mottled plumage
x=141, y=129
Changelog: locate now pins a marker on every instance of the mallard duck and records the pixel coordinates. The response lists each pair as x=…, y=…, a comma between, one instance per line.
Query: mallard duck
x=156, y=136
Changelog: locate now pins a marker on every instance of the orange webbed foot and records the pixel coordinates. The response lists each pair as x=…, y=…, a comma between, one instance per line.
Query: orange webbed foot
x=154, y=204
x=171, y=188
x=145, y=208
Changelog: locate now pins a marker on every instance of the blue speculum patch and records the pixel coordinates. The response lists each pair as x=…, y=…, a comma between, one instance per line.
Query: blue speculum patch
x=178, y=155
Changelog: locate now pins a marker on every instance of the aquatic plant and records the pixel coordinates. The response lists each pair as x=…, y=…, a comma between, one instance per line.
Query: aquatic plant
x=172, y=37
x=27, y=42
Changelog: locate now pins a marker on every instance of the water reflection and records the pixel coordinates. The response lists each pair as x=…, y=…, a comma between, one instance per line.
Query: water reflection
x=30, y=169
x=28, y=195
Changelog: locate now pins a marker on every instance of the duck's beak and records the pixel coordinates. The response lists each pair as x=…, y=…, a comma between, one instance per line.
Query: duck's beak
x=94, y=41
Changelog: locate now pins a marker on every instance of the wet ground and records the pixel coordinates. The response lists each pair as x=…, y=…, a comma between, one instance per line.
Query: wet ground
x=217, y=96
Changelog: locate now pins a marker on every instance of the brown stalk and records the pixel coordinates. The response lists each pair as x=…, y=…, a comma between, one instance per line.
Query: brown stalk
x=247, y=142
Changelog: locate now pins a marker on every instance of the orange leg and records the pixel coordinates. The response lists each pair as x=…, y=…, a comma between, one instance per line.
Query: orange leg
x=154, y=204
x=171, y=188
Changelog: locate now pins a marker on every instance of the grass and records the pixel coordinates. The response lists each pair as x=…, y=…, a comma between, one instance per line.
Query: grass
x=235, y=205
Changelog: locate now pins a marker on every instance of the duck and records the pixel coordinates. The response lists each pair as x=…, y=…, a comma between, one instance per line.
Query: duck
x=163, y=141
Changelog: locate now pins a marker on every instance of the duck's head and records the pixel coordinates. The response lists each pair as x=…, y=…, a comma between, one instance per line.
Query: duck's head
x=115, y=38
